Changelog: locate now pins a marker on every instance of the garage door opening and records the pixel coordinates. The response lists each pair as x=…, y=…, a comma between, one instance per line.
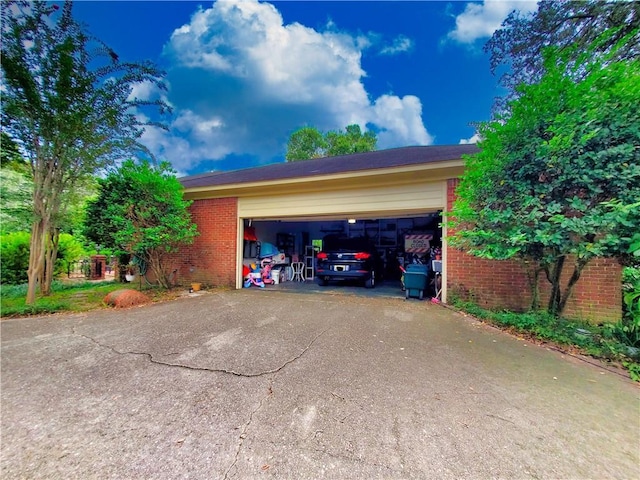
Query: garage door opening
x=288, y=248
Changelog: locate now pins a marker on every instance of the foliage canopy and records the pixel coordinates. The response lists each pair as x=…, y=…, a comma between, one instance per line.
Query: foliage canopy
x=569, y=26
x=558, y=177
x=140, y=211
x=68, y=104
x=309, y=142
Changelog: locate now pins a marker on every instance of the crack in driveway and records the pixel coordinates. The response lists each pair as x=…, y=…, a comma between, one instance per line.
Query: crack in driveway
x=205, y=369
x=245, y=428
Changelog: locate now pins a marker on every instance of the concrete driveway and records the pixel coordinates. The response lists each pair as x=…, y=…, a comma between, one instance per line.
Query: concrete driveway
x=260, y=384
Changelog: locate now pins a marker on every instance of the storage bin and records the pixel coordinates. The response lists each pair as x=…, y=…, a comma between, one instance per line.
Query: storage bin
x=415, y=280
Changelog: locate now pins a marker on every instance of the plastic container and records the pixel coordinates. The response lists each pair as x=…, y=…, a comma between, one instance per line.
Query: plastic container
x=268, y=250
x=415, y=280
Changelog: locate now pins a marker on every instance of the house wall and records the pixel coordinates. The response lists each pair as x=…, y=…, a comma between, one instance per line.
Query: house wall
x=503, y=284
x=211, y=259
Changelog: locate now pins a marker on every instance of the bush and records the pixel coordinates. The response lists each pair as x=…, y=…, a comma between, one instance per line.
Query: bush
x=70, y=250
x=14, y=257
x=627, y=330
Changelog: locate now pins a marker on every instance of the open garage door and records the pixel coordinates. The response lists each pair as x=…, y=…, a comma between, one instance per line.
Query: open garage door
x=398, y=240
x=354, y=201
x=296, y=222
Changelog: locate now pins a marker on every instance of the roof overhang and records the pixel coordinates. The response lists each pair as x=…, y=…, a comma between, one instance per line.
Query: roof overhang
x=434, y=171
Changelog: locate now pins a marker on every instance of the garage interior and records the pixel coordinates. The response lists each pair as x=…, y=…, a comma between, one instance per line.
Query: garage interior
x=299, y=240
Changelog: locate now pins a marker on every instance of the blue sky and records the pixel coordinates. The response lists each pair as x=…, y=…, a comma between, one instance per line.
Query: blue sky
x=244, y=75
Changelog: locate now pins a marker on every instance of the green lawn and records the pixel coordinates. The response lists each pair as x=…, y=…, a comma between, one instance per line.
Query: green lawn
x=70, y=297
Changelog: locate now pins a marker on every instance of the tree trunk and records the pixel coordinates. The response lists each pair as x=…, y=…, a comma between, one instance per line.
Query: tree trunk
x=533, y=276
x=558, y=299
x=51, y=254
x=36, y=259
x=156, y=264
x=577, y=271
x=39, y=229
x=555, y=275
x=156, y=261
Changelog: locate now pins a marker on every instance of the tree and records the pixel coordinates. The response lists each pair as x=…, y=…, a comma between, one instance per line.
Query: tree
x=16, y=194
x=304, y=144
x=15, y=201
x=67, y=104
x=15, y=185
x=557, y=178
x=140, y=210
x=309, y=142
x=570, y=26
x=351, y=141
x=14, y=255
x=10, y=157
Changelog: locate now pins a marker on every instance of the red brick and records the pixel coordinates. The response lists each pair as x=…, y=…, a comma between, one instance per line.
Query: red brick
x=211, y=259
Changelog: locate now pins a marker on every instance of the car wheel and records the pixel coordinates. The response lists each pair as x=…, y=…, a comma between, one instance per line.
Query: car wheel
x=323, y=282
x=371, y=281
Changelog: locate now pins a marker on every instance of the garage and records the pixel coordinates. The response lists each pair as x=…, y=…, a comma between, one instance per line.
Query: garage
x=391, y=197
x=391, y=210
x=397, y=240
x=384, y=195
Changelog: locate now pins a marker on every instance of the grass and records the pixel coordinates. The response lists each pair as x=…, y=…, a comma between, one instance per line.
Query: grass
x=65, y=297
x=573, y=336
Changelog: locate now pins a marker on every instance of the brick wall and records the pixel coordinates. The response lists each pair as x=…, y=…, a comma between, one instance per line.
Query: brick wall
x=504, y=284
x=211, y=259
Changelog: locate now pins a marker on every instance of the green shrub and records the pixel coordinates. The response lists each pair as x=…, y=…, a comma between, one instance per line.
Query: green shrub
x=628, y=329
x=70, y=250
x=14, y=257
x=14, y=291
x=634, y=370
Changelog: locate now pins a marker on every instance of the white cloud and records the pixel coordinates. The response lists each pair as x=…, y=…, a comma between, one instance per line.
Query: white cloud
x=242, y=81
x=193, y=139
x=148, y=91
x=400, y=44
x=475, y=138
x=401, y=121
x=480, y=20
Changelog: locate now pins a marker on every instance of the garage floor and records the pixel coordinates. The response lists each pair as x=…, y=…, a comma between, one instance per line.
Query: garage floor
x=388, y=289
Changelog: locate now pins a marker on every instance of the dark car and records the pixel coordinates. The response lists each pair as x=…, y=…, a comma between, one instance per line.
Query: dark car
x=345, y=258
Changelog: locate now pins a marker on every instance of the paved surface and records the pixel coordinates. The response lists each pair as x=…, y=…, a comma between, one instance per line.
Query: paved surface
x=261, y=384
x=386, y=289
